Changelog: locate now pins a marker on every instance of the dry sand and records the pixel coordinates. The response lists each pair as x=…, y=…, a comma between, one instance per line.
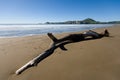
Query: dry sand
x=88, y=60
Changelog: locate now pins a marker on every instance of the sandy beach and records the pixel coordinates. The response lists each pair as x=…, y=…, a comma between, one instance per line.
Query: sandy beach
x=86, y=60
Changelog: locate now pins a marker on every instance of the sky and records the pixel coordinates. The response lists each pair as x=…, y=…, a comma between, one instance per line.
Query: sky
x=40, y=11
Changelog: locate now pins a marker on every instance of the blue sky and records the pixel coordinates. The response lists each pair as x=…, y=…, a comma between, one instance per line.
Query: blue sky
x=40, y=11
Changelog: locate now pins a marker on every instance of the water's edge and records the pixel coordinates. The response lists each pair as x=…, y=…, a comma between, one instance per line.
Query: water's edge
x=29, y=30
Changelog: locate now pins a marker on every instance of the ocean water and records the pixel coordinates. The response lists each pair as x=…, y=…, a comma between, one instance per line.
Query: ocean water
x=27, y=30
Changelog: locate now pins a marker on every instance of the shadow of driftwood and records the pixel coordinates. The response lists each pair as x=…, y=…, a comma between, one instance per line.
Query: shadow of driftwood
x=69, y=42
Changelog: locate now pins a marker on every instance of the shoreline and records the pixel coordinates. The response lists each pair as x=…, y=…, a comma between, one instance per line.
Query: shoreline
x=27, y=35
x=38, y=30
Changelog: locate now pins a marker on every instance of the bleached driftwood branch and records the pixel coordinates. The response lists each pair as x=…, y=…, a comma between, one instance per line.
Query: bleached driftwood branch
x=39, y=58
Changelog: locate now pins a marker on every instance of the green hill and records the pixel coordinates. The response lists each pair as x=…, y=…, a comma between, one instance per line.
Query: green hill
x=85, y=21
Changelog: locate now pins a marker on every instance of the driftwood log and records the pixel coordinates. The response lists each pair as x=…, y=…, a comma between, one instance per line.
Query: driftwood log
x=40, y=57
x=48, y=52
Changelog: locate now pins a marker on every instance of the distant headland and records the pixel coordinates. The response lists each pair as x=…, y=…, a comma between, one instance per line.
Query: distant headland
x=85, y=21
